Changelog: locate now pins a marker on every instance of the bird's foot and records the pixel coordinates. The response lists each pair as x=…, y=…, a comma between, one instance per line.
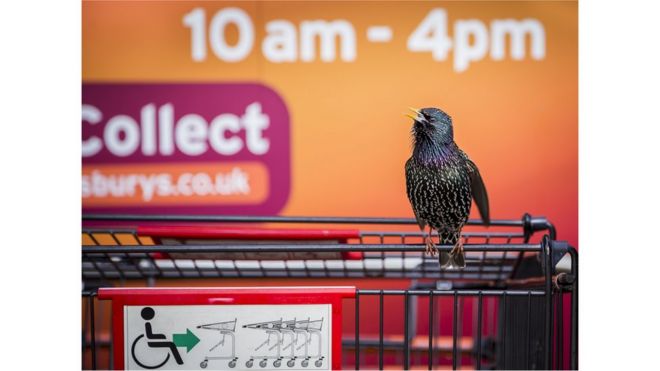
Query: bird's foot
x=457, y=248
x=430, y=246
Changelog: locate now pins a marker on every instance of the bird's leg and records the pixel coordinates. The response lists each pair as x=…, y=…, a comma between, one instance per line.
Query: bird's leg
x=457, y=253
x=430, y=246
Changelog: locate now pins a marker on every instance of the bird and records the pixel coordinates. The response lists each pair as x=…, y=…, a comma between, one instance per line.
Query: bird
x=441, y=182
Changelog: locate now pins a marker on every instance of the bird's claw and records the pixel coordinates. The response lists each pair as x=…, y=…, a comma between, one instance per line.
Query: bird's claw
x=430, y=247
x=456, y=248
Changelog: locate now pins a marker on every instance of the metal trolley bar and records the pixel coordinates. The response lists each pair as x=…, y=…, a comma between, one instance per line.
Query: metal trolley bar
x=297, y=248
x=530, y=224
x=291, y=219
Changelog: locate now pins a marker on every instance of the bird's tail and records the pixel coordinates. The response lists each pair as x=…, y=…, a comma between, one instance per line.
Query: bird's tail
x=455, y=259
x=452, y=261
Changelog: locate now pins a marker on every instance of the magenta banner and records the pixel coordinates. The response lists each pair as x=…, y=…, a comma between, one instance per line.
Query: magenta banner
x=185, y=148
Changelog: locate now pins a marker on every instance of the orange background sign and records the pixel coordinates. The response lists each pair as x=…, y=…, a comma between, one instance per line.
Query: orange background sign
x=505, y=71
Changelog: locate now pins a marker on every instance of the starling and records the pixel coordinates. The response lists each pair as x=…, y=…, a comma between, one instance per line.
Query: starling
x=440, y=182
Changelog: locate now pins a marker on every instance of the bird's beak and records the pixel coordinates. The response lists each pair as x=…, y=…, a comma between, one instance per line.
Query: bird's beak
x=411, y=116
x=417, y=117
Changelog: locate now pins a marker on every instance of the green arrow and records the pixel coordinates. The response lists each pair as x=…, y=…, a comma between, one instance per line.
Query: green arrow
x=188, y=340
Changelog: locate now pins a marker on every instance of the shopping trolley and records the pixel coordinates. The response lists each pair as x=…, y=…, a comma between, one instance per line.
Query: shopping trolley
x=505, y=310
x=225, y=328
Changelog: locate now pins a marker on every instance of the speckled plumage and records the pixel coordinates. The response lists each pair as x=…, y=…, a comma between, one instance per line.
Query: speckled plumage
x=440, y=182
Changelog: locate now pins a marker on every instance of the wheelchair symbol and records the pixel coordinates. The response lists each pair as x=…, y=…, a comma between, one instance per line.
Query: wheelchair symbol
x=159, y=365
x=154, y=340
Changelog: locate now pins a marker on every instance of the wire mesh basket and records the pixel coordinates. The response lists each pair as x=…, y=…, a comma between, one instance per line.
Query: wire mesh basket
x=131, y=253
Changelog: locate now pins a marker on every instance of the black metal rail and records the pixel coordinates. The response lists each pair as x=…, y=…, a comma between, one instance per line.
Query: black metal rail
x=526, y=356
x=528, y=223
x=485, y=262
x=308, y=247
x=387, y=254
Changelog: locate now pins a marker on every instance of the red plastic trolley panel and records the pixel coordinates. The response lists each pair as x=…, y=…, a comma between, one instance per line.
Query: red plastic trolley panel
x=221, y=232
x=216, y=232
x=121, y=297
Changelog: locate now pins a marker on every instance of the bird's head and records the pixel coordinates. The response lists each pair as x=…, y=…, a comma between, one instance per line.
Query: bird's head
x=432, y=124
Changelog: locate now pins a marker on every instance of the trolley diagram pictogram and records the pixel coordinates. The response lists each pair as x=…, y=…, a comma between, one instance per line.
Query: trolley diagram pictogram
x=287, y=337
x=226, y=328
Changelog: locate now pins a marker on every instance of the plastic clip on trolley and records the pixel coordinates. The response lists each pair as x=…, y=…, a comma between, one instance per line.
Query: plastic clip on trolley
x=513, y=306
x=224, y=328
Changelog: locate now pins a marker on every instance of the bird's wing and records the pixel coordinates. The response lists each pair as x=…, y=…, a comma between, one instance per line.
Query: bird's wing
x=409, y=169
x=420, y=222
x=478, y=190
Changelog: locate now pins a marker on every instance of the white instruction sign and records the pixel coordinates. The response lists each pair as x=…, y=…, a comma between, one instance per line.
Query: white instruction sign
x=223, y=337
